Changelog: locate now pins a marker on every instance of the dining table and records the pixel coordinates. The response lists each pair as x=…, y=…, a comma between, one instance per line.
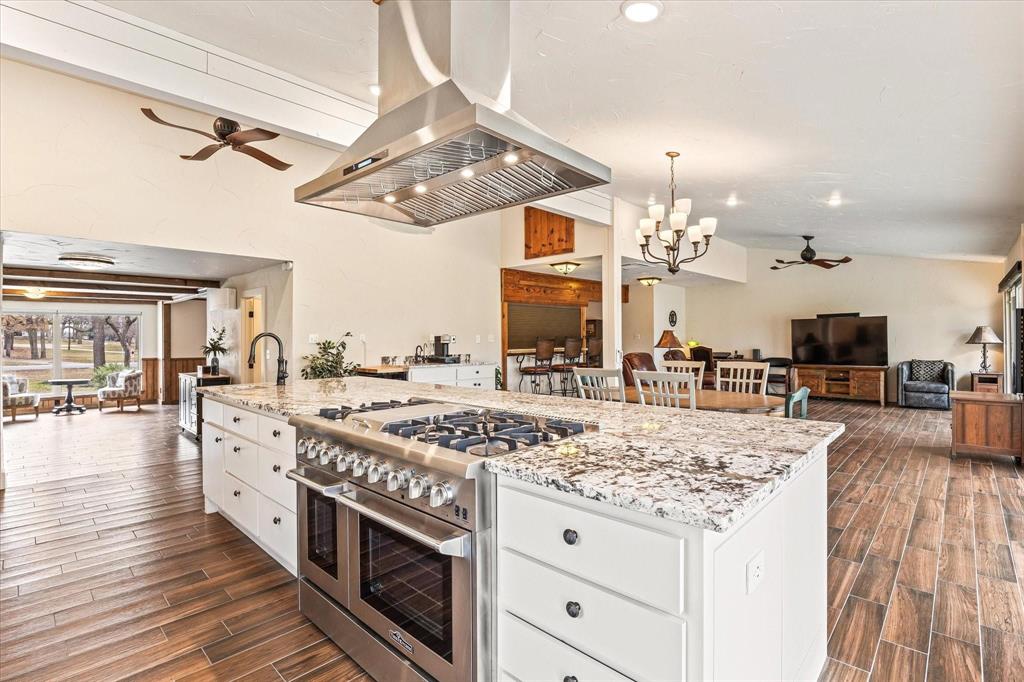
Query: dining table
x=726, y=401
x=69, y=406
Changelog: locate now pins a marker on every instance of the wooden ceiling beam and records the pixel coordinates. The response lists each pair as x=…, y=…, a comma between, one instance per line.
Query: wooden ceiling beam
x=98, y=301
x=15, y=272
x=18, y=283
x=18, y=294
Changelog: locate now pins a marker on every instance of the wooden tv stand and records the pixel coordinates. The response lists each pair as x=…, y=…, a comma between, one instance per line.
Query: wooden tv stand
x=842, y=381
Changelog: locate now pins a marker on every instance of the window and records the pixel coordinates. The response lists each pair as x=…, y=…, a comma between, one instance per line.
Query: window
x=44, y=345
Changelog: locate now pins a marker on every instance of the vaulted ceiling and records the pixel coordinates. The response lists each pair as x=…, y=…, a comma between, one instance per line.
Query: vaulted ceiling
x=912, y=112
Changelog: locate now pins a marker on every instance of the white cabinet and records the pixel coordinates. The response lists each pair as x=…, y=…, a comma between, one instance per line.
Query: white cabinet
x=466, y=376
x=531, y=654
x=245, y=458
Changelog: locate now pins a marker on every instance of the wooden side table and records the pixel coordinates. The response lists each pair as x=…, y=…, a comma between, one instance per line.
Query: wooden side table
x=987, y=382
x=987, y=424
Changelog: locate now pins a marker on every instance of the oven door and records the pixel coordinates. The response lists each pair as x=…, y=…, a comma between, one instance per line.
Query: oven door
x=411, y=582
x=323, y=532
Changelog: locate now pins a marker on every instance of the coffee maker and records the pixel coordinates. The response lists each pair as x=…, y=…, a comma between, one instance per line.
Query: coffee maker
x=442, y=344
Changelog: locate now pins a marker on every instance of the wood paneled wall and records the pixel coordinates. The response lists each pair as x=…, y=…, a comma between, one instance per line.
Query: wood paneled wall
x=172, y=368
x=150, y=380
x=547, y=234
x=519, y=286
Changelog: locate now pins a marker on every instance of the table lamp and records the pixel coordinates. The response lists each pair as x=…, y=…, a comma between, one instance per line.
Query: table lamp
x=668, y=340
x=984, y=335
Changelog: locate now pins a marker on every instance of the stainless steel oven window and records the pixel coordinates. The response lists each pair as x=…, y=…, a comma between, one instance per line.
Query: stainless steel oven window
x=322, y=533
x=407, y=583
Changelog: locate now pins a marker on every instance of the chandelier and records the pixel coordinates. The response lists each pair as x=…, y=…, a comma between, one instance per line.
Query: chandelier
x=677, y=236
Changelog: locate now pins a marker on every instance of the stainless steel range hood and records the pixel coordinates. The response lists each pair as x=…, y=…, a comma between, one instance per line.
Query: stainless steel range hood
x=446, y=144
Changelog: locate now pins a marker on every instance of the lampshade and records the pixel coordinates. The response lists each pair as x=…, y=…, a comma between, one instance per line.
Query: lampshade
x=639, y=236
x=678, y=220
x=683, y=205
x=693, y=233
x=656, y=212
x=984, y=334
x=708, y=226
x=647, y=226
x=668, y=340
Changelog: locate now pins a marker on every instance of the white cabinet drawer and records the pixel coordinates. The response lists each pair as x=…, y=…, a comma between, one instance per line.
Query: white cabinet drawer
x=241, y=422
x=271, y=477
x=213, y=412
x=241, y=503
x=628, y=559
x=276, y=434
x=526, y=653
x=241, y=459
x=277, y=530
x=634, y=639
x=475, y=372
x=432, y=375
x=475, y=383
x=213, y=463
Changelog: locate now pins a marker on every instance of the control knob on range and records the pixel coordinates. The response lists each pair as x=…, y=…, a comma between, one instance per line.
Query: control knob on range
x=314, y=448
x=397, y=479
x=419, y=485
x=377, y=472
x=329, y=454
x=360, y=465
x=344, y=461
x=301, y=445
x=441, y=494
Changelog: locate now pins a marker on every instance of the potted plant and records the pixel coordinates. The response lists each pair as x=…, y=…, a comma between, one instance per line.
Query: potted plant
x=329, y=360
x=215, y=347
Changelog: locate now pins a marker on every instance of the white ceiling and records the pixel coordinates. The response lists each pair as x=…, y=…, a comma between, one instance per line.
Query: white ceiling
x=913, y=111
x=42, y=251
x=590, y=268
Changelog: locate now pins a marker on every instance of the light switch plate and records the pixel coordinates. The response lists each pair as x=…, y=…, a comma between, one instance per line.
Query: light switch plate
x=478, y=338
x=314, y=338
x=755, y=572
x=490, y=338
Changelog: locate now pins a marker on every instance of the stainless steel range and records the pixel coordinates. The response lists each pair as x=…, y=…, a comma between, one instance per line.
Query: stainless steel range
x=395, y=531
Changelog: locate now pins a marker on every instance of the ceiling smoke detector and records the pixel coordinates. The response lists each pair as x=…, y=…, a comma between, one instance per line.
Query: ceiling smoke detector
x=86, y=261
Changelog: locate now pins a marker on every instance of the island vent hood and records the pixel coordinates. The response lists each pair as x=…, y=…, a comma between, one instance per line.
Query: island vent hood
x=446, y=144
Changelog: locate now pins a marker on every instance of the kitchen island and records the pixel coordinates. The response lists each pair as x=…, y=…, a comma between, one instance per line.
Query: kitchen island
x=666, y=544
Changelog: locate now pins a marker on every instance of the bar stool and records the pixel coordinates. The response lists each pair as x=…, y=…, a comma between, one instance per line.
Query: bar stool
x=542, y=357
x=571, y=357
x=594, y=353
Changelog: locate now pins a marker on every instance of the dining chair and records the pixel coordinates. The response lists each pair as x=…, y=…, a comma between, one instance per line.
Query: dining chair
x=599, y=384
x=666, y=389
x=740, y=376
x=694, y=367
x=543, y=354
x=707, y=356
x=797, y=397
x=674, y=354
x=594, y=352
x=571, y=357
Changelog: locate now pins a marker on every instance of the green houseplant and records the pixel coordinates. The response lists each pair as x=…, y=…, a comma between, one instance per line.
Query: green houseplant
x=329, y=360
x=214, y=347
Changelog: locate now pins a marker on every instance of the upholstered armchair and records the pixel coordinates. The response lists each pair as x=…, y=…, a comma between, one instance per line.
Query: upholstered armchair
x=636, y=361
x=929, y=387
x=16, y=396
x=125, y=385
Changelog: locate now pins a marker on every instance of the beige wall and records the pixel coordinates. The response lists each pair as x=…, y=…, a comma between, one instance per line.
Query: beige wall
x=188, y=328
x=932, y=305
x=638, y=320
x=104, y=171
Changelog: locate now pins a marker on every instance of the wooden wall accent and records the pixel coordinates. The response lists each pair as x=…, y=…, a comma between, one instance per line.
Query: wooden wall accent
x=150, y=380
x=174, y=367
x=547, y=234
x=519, y=286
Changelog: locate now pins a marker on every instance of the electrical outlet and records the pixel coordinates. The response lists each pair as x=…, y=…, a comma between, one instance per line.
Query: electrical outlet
x=314, y=338
x=452, y=339
x=755, y=572
x=490, y=338
x=362, y=337
x=478, y=338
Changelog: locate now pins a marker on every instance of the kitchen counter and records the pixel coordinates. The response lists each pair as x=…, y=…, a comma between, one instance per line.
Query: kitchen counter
x=703, y=469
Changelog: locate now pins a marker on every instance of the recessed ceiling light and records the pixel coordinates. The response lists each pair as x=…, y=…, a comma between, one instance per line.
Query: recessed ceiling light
x=390, y=198
x=641, y=11
x=511, y=157
x=648, y=281
x=375, y=90
x=35, y=293
x=732, y=200
x=467, y=172
x=86, y=261
x=835, y=200
x=420, y=189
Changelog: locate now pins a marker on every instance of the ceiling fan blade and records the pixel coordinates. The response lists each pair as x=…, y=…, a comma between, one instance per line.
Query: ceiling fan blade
x=261, y=155
x=204, y=153
x=823, y=263
x=156, y=119
x=786, y=265
x=247, y=136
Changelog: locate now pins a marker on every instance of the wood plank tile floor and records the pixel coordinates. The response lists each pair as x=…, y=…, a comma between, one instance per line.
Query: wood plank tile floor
x=109, y=569
x=926, y=553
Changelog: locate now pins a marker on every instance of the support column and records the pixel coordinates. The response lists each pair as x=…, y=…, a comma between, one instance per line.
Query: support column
x=611, y=285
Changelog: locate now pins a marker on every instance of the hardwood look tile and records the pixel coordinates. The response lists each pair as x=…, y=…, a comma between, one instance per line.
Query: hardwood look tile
x=895, y=663
x=909, y=620
x=840, y=672
x=918, y=569
x=889, y=542
x=956, y=564
x=899, y=514
x=924, y=533
x=1015, y=527
x=853, y=544
x=953, y=661
x=875, y=580
x=856, y=633
x=1001, y=607
x=310, y=658
x=841, y=576
x=1002, y=655
x=990, y=528
x=958, y=531
x=988, y=503
x=956, y=612
x=840, y=514
x=995, y=561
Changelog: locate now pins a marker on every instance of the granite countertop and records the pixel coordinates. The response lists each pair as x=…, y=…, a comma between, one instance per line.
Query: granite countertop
x=703, y=469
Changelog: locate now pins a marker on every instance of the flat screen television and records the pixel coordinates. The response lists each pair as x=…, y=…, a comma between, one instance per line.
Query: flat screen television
x=841, y=340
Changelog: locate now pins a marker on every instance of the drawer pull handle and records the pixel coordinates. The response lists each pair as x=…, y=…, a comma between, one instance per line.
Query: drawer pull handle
x=569, y=678
x=236, y=419
x=217, y=439
x=277, y=468
x=237, y=448
x=277, y=520
x=238, y=493
x=570, y=536
x=276, y=433
x=573, y=608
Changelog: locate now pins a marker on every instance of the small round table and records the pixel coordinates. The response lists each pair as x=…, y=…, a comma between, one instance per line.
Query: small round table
x=69, y=406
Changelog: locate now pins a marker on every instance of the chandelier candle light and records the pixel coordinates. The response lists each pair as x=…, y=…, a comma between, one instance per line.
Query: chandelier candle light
x=677, y=234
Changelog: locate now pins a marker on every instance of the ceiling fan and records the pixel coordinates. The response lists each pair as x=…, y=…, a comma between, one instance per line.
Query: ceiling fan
x=809, y=257
x=227, y=133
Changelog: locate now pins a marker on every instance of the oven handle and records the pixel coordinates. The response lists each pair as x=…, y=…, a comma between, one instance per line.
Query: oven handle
x=448, y=545
x=298, y=476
